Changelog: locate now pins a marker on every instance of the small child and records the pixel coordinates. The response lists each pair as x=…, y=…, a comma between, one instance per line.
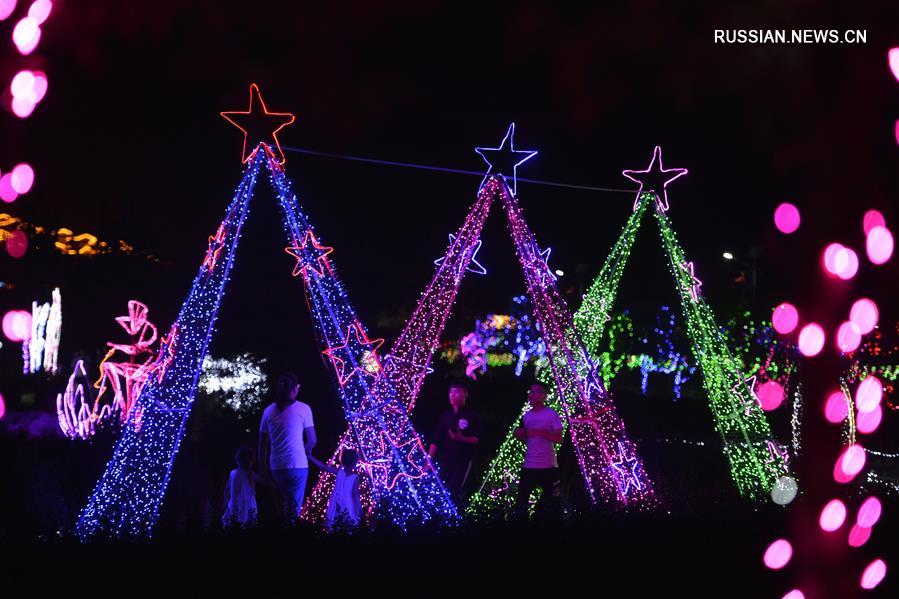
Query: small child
x=240, y=492
x=344, y=507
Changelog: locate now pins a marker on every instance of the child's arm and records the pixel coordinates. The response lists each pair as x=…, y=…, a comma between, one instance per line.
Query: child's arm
x=321, y=465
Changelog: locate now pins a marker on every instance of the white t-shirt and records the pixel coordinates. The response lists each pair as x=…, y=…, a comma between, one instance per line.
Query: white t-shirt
x=541, y=453
x=285, y=429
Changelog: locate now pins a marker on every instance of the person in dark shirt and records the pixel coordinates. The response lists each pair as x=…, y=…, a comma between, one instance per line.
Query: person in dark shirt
x=455, y=441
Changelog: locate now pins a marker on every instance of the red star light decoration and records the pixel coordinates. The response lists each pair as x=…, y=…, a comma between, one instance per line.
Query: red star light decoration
x=216, y=243
x=166, y=353
x=260, y=127
x=358, y=352
x=388, y=468
x=310, y=254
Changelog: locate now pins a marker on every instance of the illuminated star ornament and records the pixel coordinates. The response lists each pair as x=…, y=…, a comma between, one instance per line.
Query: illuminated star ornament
x=654, y=179
x=216, y=243
x=475, y=266
x=627, y=470
x=358, y=352
x=167, y=347
x=542, y=266
x=696, y=283
x=748, y=402
x=310, y=255
x=260, y=127
x=775, y=451
x=387, y=468
x=505, y=160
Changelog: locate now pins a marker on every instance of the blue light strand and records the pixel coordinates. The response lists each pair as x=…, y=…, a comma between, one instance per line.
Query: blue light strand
x=405, y=482
x=126, y=500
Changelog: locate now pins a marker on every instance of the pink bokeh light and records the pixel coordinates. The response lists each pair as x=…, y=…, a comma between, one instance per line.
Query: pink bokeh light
x=865, y=314
x=873, y=574
x=770, y=394
x=794, y=594
x=22, y=108
x=868, y=394
x=849, y=464
x=2, y=407
x=40, y=10
x=784, y=318
x=7, y=193
x=846, y=263
x=22, y=178
x=17, y=325
x=858, y=535
x=26, y=35
x=811, y=339
x=835, y=408
x=893, y=59
x=832, y=515
x=830, y=254
x=6, y=8
x=849, y=337
x=786, y=218
x=778, y=554
x=879, y=245
x=869, y=512
x=873, y=218
x=867, y=422
x=17, y=244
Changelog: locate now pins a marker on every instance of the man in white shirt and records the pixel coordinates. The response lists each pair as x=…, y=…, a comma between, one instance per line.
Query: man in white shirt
x=541, y=431
x=286, y=434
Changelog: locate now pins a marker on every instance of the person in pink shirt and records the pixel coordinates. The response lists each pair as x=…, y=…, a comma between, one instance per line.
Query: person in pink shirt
x=541, y=431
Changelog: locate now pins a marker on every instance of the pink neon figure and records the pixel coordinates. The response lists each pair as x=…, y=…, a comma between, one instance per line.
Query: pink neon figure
x=655, y=178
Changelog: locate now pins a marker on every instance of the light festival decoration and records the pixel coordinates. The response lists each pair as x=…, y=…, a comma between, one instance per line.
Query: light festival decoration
x=41, y=350
x=503, y=162
x=127, y=498
x=239, y=382
x=77, y=418
x=475, y=266
x=743, y=426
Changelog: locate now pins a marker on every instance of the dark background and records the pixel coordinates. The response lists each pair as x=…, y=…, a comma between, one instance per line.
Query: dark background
x=128, y=144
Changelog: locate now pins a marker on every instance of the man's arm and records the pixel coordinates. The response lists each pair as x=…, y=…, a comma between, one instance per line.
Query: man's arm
x=555, y=435
x=322, y=465
x=462, y=438
x=309, y=436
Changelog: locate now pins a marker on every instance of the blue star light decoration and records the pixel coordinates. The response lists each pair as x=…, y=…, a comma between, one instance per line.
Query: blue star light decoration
x=655, y=179
x=626, y=468
x=543, y=268
x=505, y=159
x=475, y=266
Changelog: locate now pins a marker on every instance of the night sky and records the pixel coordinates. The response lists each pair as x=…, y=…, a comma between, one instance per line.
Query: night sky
x=129, y=144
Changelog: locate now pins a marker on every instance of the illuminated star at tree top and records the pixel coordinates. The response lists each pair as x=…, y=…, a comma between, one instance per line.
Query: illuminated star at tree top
x=310, y=255
x=260, y=127
x=655, y=179
x=505, y=159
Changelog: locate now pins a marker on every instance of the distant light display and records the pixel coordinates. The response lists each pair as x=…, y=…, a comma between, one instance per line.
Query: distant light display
x=239, y=383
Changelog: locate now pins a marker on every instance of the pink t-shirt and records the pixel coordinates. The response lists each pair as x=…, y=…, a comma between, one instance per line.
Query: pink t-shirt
x=541, y=453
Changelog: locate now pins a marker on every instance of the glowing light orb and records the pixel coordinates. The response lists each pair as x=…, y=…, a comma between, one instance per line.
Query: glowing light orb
x=830, y=253
x=849, y=337
x=26, y=35
x=865, y=314
x=785, y=318
x=40, y=10
x=22, y=178
x=2, y=407
x=832, y=516
x=17, y=244
x=873, y=218
x=786, y=218
x=867, y=422
x=846, y=263
x=811, y=339
x=869, y=512
x=794, y=594
x=770, y=394
x=784, y=490
x=22, y=108
x=859, y=535
x=868, y=394
x=7, y=193
x=17, y=325
x=873, y=574
x=879, y=245
x=6, y=8
x=835, y=408
x=893, y=57
x=778, y=554
x=850, y=463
